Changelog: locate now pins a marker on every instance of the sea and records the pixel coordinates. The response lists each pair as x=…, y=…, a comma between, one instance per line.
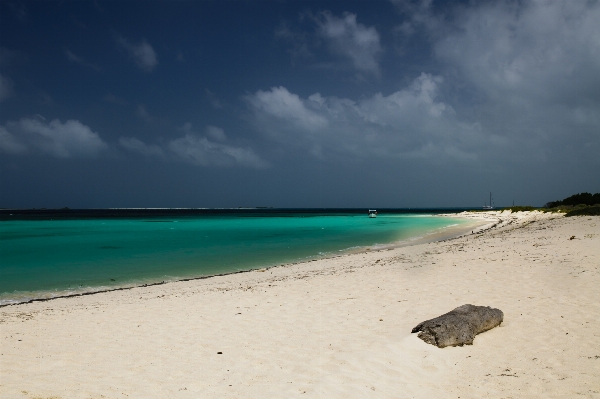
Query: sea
x=52, y=253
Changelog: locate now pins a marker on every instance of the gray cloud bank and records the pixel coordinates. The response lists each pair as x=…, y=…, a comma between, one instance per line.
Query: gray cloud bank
x=73, y=139
x=514, y=81
x=506, y=86
x=545, y=52
x=410, y=123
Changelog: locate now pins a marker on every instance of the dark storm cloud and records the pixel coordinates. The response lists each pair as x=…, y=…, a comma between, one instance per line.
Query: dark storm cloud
x=413, y=102
x=535, y=62
x=533, y=67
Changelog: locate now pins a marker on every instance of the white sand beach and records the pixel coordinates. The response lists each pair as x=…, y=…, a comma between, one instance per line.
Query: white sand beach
x=333, y=328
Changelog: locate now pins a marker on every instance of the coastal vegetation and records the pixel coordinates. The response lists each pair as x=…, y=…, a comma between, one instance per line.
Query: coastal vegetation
x=575, y=200
x=522, y=208
x=576, y=205
x=585, y=211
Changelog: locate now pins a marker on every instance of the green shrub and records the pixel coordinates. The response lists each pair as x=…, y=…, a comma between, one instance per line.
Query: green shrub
x=522, y=208
x=585, y=211
x=577, y=199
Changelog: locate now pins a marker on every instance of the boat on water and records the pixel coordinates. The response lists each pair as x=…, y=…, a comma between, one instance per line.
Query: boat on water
x=491, y=205
x=372, y=213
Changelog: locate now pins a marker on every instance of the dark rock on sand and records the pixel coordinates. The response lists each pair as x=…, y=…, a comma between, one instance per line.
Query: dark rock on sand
x=459, y=326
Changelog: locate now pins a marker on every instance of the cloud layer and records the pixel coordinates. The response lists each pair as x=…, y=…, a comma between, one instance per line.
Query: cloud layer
x=61, y=140
x=142, y=53
x=135, y=145
x=533, y=68
x=412, y=122
x=350, y=39
x=6, y=87
x=199, y=150
x=81, y=61
x=425, y=96
x=342, y=37
x=514, y=81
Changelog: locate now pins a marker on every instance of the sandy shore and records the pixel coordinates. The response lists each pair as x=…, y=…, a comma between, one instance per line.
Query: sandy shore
x=333, y=328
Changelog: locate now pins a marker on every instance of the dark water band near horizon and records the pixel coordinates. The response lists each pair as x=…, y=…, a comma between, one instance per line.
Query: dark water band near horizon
x=50, y=253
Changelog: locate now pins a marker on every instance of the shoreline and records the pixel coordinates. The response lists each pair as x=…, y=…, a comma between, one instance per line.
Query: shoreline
x=335, y=328
x=431, y=237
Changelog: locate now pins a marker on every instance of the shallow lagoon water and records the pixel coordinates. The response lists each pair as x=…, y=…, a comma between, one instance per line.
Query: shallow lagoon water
x=45, y=258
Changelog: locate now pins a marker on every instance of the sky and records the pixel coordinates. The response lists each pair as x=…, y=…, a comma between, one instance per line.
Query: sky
x=401, y=103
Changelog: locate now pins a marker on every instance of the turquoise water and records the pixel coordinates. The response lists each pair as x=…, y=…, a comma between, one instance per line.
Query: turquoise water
x=41, y=258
